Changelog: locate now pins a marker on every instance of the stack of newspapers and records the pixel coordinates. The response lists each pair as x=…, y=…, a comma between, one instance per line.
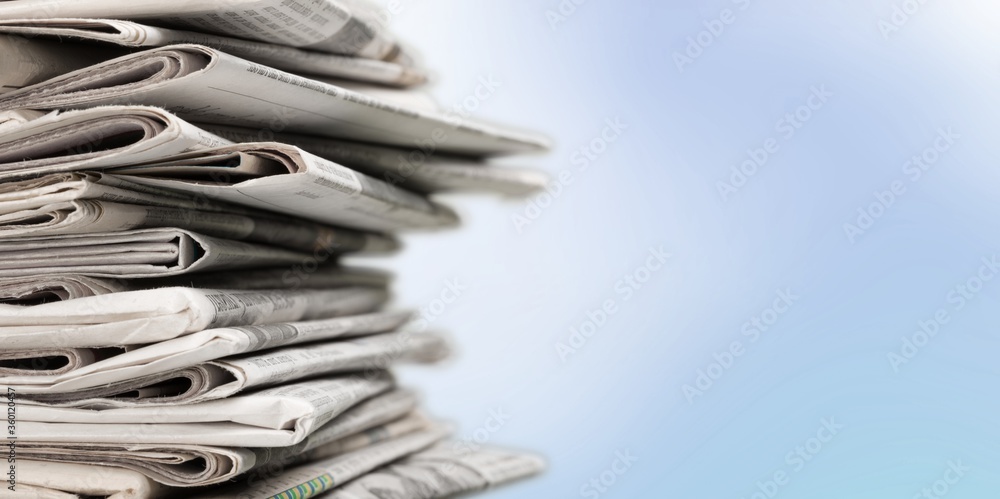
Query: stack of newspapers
x=179, y=184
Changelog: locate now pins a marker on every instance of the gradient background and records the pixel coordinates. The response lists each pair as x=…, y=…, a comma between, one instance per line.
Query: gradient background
x=657, y=186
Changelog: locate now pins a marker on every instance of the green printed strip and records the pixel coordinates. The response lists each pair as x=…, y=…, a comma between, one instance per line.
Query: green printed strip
x=308, y=489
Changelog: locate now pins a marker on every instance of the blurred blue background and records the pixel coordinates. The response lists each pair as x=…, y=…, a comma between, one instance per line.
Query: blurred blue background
x=865, y=362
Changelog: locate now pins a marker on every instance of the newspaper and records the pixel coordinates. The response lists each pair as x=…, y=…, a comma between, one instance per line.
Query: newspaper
x=273, y=417
x=205, y=85
x=10, y=120
x=442, y=471
x=377, y=419
x=269, y=176
x=93, y=139
x=415, y=169
x=35, y=290
x=313, y=479
x=275, y=177
x=398, y=428
x=41, y=373
x=286, y=179
x=149, y=316
x=82, y=203
x=366, y=417
x=348, y=27
x=136, y=254
x=135, y=35
x=26, y=61
x=310, y=275
x=425, y=473
x=410, y=98
x=223, y=378
x=49, y=361
x=56, y=480
x=47, y=288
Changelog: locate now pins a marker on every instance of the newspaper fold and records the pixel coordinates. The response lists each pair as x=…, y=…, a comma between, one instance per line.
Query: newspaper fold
x=208, y=86
x=10, y=120
x=313, y=479
x=425, y=474
x=34, y=290
x=135, y=35
x=156, y=315
x=49, y=361
x=26, y=61
x=417, y=169
x=442, y=471
x=364, y=417
x=380, y=418
x=39, y=374
x=94, y=138
x=56, y=480
x=274, y=417
x=348, y=27
x=82, y=203
x=46, y=288
x=136, y=254
x=286, y=179
x=224, y=378
x=267, y=176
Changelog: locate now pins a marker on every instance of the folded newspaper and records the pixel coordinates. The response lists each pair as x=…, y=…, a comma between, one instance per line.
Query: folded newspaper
x=156, y=315
x=35, y=143
x=209, y=86
x=226, y=377
x=418, y=169
x=136, y=254
x=181, y=465
x=85, y=203
x=428, y=473
x=288, y=180
x=349, y=27
x=378, y=419
x=59, y=480
x=442, y=471
x=136, y=35
x=310, y=480
x=32, y=372
x=273, y=417
x=26, y=61
x=266, y=176
x=38, y=289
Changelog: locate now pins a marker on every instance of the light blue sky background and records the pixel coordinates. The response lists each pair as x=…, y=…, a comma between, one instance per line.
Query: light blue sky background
x=827, y=355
